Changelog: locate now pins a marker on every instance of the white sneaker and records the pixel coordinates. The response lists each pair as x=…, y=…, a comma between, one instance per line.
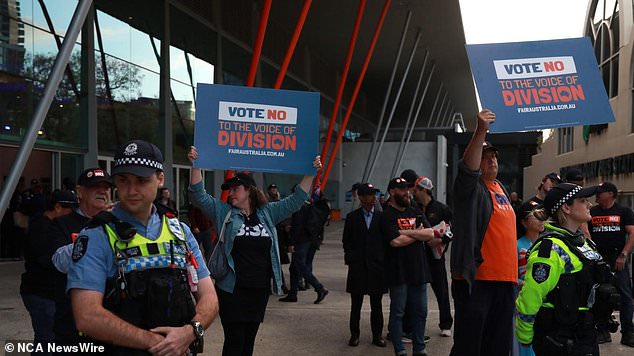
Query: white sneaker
x=445, y=333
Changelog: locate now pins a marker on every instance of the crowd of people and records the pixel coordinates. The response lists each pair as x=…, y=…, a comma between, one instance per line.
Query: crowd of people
x=536, y=277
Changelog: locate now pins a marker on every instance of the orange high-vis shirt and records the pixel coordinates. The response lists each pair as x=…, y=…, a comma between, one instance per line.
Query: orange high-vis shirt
x=499, y=248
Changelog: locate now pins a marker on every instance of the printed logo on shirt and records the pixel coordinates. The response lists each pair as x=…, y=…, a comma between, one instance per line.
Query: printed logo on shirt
x=406, y=223
x=502, y=202
x=609, y=223
x=253, y=231
x=541, y=271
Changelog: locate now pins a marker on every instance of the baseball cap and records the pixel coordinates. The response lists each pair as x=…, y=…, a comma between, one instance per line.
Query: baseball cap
x=139, y=158
x=574, y=175
x=526, y=208
x=355, y=186
x=92, y=177
x=410, y=176
x=564, y=192
x=65, y=197
x=272, y=186
x=366, y=189
x=424, y=183
x=552, y=176
x=607, y=187
x=241, y=178
x=488, y=146
x=399, y=182
x=34, y=181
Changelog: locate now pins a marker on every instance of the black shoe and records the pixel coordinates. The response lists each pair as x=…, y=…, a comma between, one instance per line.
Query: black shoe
x=354, y=341
x=285, y=289
x=379, y=341
x=627, y=339
x=321, y=295
x=289, y=299
x=427, y=338
x=604, y=337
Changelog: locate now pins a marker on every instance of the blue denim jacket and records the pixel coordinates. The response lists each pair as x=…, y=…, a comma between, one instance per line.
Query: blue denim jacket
x=270, y=215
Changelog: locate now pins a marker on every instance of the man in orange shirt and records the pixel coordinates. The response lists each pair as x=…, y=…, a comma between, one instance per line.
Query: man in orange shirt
x=483, y=255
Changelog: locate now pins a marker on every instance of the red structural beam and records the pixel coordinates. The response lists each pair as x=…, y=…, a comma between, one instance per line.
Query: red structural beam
x=255, y=59
x=291, y=47
x=377, y=31
x=342, y=84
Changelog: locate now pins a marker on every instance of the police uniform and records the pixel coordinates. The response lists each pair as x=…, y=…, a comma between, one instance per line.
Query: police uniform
x=566, y=289
x=145, y=272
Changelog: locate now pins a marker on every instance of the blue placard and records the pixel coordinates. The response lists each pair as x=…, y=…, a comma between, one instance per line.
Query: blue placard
x=540, y=84
x=256, y=129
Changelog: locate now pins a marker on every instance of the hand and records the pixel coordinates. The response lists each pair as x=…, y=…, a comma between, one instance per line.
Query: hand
x=434, y=242
x=620, y=262
x=192, y=155
x=291, y=249
x=485, y=118
x=317, y=162
x=176, y=341
x=196, y=230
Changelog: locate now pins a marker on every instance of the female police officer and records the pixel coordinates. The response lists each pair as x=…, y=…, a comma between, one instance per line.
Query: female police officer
x=558, y=307
x=251, y=247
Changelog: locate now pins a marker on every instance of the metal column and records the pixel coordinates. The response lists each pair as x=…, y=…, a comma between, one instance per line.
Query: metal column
x=409, y=114
x=441, y=108
x=165, y=112
x=433, y=108
x=387, y=95
x=418, y=109
x=88, y=94
x=394, y=106
x=44, y=104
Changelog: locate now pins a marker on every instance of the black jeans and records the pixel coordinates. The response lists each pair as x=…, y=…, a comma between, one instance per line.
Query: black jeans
x=376, y=314
x=239, y=338
x=483, y=319
x=441, y=289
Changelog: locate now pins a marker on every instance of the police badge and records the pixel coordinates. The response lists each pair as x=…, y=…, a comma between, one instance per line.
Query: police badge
x=541, y=271
x=79, y=248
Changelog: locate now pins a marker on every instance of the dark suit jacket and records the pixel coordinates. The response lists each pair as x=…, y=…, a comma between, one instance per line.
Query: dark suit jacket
x=364, y=253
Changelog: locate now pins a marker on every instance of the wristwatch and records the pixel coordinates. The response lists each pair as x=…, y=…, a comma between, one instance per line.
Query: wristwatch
x=199, y=332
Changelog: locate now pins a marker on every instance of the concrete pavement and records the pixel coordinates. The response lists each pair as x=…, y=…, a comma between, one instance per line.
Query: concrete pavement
x=301, y=328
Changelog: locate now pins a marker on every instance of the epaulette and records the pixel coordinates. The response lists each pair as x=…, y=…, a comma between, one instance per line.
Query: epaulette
x=103, y=218
x=545, y=247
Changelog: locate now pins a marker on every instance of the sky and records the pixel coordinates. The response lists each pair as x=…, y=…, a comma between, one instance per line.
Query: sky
x=495, y=21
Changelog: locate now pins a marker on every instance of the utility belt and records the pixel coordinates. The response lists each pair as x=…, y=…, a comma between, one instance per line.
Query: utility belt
x=552, y=338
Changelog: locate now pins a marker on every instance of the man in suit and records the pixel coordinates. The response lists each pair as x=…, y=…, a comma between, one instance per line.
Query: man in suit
x=364, y=254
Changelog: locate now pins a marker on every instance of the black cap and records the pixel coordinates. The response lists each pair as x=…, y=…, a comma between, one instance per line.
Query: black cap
x=272, y=186
x=410, y=176
x=574, y=174
x=65, y=197
x=139, y=158
x=488, y=146
x=356, y=186
x=241, y=178
x=34, y=181
x=526, y=208
x=92, y=177
x=564, y=192
x=366, y=189
x=552, y=176
x=608, y=187
x=399, y=182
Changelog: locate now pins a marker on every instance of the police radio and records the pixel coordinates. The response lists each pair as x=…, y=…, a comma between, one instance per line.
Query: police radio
x=125, y=231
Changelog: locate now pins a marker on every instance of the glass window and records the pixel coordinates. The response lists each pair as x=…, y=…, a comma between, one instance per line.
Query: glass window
x=604, y=33
x=566, y=136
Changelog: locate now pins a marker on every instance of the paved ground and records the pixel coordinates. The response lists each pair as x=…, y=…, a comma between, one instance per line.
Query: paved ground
x=301, y=328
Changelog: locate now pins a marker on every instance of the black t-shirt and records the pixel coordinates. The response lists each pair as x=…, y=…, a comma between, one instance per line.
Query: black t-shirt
x=38, y=277
x=252, y=254
x=404, y=264
x=435, y=212
x=608, y=226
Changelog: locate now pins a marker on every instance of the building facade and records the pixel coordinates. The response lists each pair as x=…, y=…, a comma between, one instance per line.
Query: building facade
x=602, y=152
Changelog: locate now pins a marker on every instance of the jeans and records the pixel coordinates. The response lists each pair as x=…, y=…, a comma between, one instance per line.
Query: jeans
x=42, y=311
x=625, y=290
x=300, y=268
x=415, y=299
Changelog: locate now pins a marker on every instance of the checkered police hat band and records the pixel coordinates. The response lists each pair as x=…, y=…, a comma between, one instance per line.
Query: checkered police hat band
x=134, y=161
x=564, y=199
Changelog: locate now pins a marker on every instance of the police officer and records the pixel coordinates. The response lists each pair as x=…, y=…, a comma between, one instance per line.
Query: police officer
x=567, y=286
x=134, y=270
